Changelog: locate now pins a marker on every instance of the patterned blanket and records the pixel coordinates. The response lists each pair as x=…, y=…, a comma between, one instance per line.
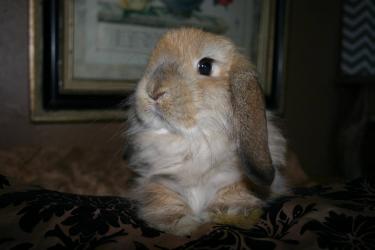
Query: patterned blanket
x=340, y=216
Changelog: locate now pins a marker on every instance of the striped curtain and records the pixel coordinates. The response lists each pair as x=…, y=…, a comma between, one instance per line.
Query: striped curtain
x=358, y=38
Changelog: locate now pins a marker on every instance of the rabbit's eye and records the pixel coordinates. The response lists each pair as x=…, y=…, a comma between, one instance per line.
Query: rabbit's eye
x=205, y=66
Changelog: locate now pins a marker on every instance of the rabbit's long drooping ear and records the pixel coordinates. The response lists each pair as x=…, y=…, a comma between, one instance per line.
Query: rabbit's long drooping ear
x=249, y=121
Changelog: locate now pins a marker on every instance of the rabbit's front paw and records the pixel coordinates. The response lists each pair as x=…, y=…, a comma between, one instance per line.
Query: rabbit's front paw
x=186, y=225
x=245, y=218
x=182, y=226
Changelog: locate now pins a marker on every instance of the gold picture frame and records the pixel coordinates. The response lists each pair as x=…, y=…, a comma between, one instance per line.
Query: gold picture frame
x=39, y=113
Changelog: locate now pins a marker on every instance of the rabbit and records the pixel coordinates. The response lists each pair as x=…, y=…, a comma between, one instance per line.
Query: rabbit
x=198, y=136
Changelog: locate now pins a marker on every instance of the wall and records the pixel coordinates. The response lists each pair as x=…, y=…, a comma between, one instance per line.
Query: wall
x=16, y=128
x=311, y=96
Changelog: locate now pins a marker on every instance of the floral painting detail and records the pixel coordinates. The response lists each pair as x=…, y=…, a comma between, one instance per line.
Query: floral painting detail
x=183, y=7
x=162, y=14
x=223, y=2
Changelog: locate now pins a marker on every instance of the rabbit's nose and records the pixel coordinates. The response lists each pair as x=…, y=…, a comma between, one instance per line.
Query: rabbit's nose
x=156, y=95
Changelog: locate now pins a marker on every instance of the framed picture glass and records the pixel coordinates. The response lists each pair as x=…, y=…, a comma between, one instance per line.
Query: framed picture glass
x=86, y=56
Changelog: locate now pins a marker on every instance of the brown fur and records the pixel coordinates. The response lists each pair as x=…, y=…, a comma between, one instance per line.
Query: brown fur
x=237, y=195
x=250, y=122
x=164, y=208
x=160, y=206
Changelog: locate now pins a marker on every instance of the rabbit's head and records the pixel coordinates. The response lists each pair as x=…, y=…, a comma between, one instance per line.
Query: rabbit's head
x=198, y=81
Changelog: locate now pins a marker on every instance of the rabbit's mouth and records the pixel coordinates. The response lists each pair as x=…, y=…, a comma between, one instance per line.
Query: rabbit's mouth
x=158, y=113
x=174, y=120
x=151, y=115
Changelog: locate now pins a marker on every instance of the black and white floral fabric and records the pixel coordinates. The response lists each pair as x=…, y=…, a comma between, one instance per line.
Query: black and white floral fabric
x=340, y=216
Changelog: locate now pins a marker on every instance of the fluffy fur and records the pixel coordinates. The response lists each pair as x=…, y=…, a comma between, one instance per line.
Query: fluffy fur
x=200, y=145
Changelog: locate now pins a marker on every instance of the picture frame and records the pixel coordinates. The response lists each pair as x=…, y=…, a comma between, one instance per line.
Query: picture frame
x=47, y=102
x=68, y=82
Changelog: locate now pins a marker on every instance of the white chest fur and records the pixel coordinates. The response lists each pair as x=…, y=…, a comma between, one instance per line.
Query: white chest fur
x=198, y=164
x=195, y=166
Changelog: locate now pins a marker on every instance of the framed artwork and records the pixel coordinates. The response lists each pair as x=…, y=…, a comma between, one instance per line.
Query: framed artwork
x=86, y=56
